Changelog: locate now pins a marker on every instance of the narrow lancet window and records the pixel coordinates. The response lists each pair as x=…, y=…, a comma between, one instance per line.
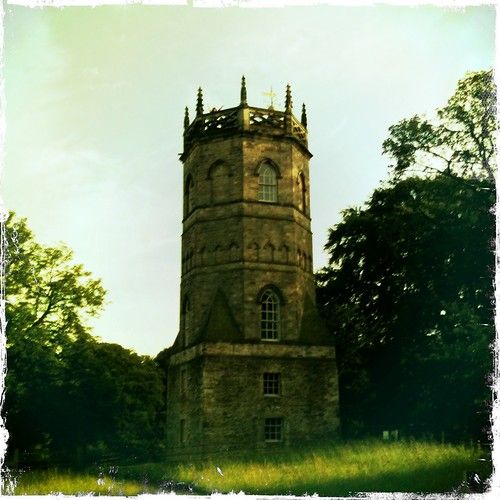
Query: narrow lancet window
x=268, y=183
x=302, y=187
x=188, y=195
x=186, y=322
x=269, y=316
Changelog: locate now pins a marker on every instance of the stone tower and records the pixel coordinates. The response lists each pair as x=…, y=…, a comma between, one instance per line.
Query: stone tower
x=252, y=367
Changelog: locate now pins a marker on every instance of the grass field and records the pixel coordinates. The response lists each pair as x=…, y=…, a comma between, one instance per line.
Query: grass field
x=342, y=469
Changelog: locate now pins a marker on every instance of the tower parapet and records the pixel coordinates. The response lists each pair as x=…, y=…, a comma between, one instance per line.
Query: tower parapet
x=244, y=119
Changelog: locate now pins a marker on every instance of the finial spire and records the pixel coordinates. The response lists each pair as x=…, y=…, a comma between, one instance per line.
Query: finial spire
x=288, y=100
x=303, y=118
x=243, y=93
x=199, y=103
x=186, y=118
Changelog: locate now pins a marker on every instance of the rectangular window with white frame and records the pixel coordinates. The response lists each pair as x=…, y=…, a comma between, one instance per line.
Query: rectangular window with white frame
x=273, y=429
x=271, y=384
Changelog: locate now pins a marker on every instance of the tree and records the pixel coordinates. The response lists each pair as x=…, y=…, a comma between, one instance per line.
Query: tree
x=116, y=403
x=409, y=288
x=70, y=398
x=409, y=294
x=49, y=300
x=460, y=142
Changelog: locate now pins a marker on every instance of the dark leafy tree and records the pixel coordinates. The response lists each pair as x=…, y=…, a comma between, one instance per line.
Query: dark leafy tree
x=49, y=300
x=116, y=403
x=409, y=289
x=459, y=142
x=70, y=398
x=409, y=295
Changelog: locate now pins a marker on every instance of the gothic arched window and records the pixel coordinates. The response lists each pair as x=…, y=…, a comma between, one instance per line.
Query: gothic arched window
x=302, y=187
x=268, y=183
x=219, y=176
x=186, y=321
x=269, y=316
x=188, y=194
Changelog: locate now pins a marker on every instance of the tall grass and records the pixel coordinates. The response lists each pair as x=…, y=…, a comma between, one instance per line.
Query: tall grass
x=339, y=470
x=69, y=483
x=343, y=470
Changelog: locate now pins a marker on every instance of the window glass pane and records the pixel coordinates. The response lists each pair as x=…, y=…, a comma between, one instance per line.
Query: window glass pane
x=268, y=184
x=271, y=384
x=269, y=318
x=273, y=429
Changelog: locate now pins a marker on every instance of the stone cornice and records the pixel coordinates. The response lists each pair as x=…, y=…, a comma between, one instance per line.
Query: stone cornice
x=261, y=349
x=248, y=209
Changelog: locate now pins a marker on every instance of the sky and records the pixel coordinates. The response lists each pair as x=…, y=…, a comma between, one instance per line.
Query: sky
x=94, y=110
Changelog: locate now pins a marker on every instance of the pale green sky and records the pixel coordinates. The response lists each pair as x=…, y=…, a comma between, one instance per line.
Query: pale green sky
x=95, y=100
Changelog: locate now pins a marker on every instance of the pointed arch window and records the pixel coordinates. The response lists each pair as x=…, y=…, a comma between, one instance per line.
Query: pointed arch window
x=188, y=194
x=219, y=176
x=186, y=321
x=268, y=183
x=269, y=316
x=303, y=195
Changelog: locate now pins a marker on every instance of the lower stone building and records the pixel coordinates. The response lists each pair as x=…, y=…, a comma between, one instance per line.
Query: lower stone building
x=227, y=397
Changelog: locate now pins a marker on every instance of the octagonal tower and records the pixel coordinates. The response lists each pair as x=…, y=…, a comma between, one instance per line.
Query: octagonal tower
x=252, y=366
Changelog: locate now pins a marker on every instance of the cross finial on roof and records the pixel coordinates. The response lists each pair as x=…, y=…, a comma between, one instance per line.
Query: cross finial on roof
x=271, y=96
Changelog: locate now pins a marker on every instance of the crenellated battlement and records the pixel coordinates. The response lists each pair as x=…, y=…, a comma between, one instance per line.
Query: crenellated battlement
x=244, y=119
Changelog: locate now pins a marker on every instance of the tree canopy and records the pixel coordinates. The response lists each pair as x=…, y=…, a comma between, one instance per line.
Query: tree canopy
x=70, y=398
x=458, y=142
x=50, y=299
x=408, y=291
x=409, y=295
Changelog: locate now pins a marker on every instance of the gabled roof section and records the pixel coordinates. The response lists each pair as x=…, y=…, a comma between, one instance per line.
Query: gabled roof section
x=221, y=325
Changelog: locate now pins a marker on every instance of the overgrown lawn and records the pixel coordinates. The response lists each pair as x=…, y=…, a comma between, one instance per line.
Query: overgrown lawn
x=339, y=470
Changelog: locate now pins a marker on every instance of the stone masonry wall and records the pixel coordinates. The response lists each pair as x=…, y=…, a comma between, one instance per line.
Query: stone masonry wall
x=233, y=407
x=235, y=243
